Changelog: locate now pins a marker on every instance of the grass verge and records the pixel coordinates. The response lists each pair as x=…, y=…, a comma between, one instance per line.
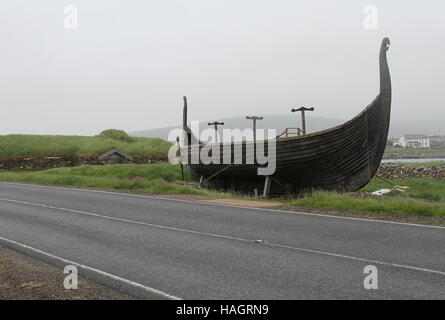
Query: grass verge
x=152, y=178
x=386, y=204
x=413, y=151
x=424, y=197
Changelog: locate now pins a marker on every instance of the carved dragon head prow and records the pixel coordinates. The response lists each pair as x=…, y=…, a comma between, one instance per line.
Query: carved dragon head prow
x=385, y=77
x=386, y=43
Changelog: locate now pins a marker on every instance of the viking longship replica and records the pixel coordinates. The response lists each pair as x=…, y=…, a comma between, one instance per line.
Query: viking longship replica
x=343, y=158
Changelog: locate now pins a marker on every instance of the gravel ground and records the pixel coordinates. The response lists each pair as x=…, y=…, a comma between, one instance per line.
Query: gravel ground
x=23, y=278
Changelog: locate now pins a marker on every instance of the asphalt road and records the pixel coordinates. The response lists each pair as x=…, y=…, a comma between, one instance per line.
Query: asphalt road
x=161, y=248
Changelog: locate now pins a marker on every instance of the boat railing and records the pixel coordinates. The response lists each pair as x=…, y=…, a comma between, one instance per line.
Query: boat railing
x=290, y=132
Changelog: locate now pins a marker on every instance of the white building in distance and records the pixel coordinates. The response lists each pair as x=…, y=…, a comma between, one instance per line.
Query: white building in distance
x=413, y=141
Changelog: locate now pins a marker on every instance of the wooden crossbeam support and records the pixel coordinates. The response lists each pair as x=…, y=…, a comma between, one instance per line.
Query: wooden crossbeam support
x=267, y=185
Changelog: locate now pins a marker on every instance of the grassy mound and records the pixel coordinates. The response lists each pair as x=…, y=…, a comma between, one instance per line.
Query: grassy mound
x=22, y=146
x=118, y=135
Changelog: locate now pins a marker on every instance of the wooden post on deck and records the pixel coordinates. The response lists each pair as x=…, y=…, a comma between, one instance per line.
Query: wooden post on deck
x=303, y=116
x=215, y=125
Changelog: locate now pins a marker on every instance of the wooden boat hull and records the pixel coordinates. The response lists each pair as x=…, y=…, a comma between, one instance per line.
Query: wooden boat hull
x=344, y=158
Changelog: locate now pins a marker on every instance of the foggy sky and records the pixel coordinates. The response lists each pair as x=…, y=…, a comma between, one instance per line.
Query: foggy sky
x=130, y=62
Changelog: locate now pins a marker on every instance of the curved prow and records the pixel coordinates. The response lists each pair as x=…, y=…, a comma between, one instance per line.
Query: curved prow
x=190, y=138
x=383, y=105
x=185, y=126
x=385, y=77
x=184, y=116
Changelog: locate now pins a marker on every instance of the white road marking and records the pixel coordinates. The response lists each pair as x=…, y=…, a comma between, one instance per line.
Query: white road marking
x=102, y=273
x=228, y=237
x=226, y=205
x=97, y=215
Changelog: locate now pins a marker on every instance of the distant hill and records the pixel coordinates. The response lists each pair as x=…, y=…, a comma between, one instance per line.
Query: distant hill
x=432, y=127
x=313, y=123
x=277, y=122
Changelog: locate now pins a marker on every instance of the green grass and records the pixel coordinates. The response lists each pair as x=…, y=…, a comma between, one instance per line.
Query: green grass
x=413, y=150
x=154, y=178
x=419, y=188
x=115, y=134
x=437, y=163
x=20, y=146
x=387, y=205
x=424, y=197
x=165, y=171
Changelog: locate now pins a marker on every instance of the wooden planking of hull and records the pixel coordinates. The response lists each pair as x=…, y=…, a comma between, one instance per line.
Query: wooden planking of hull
x=343, y=158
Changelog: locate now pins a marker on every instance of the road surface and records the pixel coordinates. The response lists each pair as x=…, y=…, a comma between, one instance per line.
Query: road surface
x=173, y=249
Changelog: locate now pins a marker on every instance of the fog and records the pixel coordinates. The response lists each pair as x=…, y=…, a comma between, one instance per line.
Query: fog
x=129, y=63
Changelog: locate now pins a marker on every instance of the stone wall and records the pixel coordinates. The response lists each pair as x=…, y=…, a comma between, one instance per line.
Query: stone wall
x=401, y=171
x=41, y=163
